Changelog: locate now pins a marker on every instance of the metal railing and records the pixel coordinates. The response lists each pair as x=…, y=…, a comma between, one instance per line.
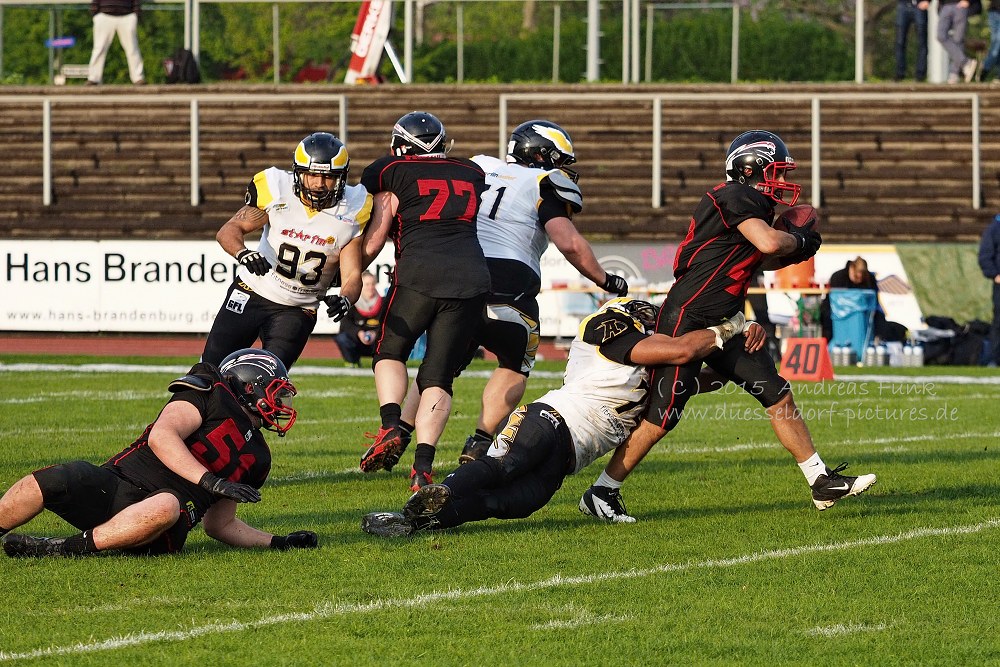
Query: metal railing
x=815, y=100
x=193, y=100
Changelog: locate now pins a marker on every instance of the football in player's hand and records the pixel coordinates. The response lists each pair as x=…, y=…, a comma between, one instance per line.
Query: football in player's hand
x=797, y=216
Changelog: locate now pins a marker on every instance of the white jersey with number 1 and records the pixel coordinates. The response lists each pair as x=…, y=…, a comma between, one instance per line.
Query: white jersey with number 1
x=508, y=224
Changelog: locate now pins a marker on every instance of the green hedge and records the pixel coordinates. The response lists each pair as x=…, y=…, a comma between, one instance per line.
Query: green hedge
x=691, y=46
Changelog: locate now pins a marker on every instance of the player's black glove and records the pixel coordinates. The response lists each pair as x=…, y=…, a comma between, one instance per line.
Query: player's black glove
x=241, y=493
x=615, y=285
x=300, y=539
x=254, y=261
x=336, y=306
x=807, y=242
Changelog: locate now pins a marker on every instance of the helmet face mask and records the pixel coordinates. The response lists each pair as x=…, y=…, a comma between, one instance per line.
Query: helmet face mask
x=260, y=382
x=325, y=155
x=542, y=144
x=760, y=159
x=418, y=133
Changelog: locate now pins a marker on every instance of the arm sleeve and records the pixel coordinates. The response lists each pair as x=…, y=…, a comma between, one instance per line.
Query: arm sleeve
x=551, y=206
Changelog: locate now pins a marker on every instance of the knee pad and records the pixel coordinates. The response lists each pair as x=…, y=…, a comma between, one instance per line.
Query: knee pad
x=772, y=391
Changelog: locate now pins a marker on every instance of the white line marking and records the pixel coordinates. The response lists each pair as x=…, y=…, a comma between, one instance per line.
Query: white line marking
x=364, y=372
x=584, y=618
x=327, y=610
x=849, y=629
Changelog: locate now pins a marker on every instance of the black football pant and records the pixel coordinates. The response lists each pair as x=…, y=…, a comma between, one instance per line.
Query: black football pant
x=525, y=466
x=283, y=330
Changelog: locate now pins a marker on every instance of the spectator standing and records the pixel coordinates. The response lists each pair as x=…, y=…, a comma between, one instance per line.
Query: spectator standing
x=360, y=327
x=993, y=55
x=911, y=13
x=953, y=20
x=989, y=262
x=113, y=17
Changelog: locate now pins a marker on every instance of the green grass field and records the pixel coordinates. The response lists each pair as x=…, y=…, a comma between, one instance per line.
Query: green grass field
x=729, y=562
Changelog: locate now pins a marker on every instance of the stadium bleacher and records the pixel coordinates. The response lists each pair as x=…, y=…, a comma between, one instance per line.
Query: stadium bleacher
x=892, y=169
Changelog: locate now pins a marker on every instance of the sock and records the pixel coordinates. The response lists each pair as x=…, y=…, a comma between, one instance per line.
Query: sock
x=405, y=427
x=812, y=468
x=81, y=543
x=607, y=480
x=423, y=457
x=483, y=435
x=390, y=413
x=4, y=531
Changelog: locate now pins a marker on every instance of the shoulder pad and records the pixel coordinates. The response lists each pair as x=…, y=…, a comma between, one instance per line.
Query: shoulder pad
x=201, y=378
x=566, y=189
x=196, y=382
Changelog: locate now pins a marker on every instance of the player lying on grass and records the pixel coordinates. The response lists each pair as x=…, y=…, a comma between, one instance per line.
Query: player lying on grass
x=202, y=456
x=602, y=399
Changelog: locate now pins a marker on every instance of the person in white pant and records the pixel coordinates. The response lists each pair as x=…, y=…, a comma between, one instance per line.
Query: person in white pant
x=113, y=17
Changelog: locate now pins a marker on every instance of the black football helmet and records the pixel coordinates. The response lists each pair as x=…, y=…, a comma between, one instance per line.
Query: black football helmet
x=642, y=312
x=541, y=144
x=759, y=158
x=418, y=133
x=260, y=382
x=323, y=154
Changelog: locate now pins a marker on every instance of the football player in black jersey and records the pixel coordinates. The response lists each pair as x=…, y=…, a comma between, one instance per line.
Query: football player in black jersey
x=427, y=203
x=202, y=456
x=729, y=237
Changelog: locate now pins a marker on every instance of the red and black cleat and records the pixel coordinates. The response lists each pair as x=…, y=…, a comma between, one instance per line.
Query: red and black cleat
x=384, y=453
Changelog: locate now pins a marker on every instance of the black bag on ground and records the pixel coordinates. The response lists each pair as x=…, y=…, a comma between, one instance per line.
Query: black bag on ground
x=182, y=67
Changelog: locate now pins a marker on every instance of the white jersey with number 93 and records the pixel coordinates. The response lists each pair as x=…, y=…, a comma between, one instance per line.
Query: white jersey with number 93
x=303, y=245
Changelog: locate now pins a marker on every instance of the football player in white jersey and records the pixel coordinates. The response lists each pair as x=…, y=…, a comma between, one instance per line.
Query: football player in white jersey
x=312, y=223
x=602, y=399
x=531, y=198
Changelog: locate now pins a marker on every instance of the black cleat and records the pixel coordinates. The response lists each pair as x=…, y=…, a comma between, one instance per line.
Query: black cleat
x=475, y=448
x=423, y=506
x=387, y=524
x=832, y=486
x=26, y=546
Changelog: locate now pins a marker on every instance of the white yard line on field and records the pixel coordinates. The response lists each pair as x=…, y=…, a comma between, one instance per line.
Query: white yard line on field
x=365, y=372
x=326, y=610
x=848, y=629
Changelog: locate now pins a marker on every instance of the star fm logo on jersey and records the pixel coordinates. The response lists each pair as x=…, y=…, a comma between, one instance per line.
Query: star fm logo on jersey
x=300, y=235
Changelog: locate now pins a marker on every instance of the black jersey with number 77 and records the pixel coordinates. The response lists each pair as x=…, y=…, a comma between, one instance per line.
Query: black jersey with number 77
x=437, y=250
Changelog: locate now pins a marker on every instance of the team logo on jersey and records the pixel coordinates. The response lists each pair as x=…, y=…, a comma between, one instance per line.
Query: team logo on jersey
x=300, y=235
x=610, y=329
